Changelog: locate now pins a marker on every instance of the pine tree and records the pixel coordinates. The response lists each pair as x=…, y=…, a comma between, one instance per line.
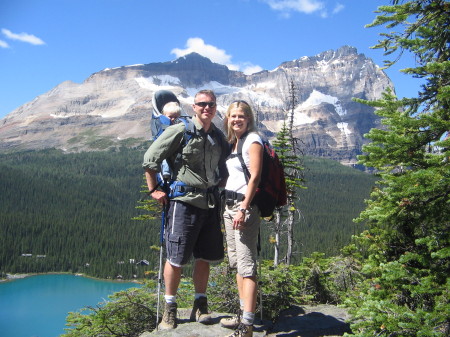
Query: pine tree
x=407, y=246
x=287, y=149
x=282, y=148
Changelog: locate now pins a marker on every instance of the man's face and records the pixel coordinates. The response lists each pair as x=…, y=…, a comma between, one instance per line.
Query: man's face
x=205, y=108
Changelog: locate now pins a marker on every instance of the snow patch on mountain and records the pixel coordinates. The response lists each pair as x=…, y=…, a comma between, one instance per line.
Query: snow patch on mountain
x=300, y=118
x=158, y=82
x=128, y=66
x=256, y=95
x=60, y=116
x=344, y=128
x=218, y=88
x=265, y=85
x=317, y=98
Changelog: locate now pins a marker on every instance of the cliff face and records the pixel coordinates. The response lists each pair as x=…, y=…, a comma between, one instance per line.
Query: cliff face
x=113, y=106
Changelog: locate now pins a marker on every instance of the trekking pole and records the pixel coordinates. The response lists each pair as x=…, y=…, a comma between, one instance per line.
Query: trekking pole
x=161, y=248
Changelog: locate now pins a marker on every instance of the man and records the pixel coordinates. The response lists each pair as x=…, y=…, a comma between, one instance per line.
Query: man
x=193, y=225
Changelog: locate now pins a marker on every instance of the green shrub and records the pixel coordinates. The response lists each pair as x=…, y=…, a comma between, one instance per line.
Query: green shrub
x=128, y=313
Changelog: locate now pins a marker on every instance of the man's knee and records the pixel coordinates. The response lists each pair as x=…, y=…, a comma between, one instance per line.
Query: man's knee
x=172, y=269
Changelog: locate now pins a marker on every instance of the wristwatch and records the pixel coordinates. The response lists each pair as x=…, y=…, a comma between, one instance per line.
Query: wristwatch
x=243, y=210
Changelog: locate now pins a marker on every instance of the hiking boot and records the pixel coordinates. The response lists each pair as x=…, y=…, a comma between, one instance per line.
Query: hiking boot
x=232, y=322
x=200, y=311
x=242, y=331
x=169, y=319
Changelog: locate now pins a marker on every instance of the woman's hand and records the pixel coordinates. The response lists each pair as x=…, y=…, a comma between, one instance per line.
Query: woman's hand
x=239, y=220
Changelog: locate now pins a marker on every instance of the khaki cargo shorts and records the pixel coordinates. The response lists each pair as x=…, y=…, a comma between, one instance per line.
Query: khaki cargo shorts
x=242, y=244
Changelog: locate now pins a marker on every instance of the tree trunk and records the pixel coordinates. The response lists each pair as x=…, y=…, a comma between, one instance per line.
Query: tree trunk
x=290, y=236
x=277, y=238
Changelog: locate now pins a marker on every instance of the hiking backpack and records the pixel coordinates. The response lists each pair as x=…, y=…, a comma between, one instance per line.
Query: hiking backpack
x=158, y=124
x=271, y=192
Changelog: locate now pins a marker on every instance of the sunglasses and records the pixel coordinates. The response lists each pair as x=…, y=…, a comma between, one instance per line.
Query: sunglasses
x=204, y=104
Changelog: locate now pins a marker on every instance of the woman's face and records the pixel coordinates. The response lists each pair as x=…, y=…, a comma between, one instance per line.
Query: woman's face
x=237, y=121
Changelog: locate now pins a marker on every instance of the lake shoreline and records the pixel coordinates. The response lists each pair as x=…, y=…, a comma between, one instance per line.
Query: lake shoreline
x=14, y=277
x=38, y=304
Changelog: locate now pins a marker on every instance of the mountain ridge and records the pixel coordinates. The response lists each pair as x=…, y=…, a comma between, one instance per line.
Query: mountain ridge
x=114, y=104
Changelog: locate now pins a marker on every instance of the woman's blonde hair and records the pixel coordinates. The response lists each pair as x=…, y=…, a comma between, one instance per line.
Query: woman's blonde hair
x=248, y=112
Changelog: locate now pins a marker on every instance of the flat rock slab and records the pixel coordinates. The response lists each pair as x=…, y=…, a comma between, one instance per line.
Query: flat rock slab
x=304, y=321
x=311, y=321
x=186, y=328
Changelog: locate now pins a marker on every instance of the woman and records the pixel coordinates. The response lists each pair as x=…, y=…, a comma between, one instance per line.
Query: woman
x=242, y=219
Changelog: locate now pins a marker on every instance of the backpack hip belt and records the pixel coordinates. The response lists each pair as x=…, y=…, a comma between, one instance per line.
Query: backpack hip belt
x=188, y=189
x=232, y=197
x=179, y=189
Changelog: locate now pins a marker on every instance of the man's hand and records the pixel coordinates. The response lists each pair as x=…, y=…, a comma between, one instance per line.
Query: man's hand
x=160, y=197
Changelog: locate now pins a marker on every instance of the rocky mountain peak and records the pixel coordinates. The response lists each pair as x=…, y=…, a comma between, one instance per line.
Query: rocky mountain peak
x=343, y=51
x=113, y=106
x=193, y=60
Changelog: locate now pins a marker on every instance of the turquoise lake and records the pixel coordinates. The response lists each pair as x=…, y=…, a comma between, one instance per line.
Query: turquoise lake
x=37, y=306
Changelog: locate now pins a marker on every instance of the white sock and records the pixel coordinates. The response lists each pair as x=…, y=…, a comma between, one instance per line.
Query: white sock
x=248, y=318
x=170, y=298
x=198, y=295
x=241, y=304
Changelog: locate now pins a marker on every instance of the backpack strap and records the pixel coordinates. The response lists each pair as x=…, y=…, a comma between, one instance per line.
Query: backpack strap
x=190, y=131
x=238, y=154
x=178, y=188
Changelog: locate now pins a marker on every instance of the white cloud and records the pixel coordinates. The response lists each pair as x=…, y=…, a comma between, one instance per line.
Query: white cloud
x=302, y=6
x=252, y=69
x=24, y=37
x=3, y=44
x=197, y=45
x=287, y=7
x=339, y=7
x=215, y=54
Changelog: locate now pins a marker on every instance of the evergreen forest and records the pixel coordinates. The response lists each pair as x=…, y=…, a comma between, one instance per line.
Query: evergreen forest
x=75, y=212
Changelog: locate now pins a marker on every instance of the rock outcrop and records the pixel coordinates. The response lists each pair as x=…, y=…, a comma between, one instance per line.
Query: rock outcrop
x=305, y=321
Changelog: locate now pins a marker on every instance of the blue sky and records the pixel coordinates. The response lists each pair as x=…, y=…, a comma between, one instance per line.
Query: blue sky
x=46, y=42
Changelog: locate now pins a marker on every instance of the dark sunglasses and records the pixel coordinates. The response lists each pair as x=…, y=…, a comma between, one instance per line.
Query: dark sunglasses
x=204, y=104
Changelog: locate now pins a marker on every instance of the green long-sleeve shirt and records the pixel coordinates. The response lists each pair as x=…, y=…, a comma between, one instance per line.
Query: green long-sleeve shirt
x=202, y=163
